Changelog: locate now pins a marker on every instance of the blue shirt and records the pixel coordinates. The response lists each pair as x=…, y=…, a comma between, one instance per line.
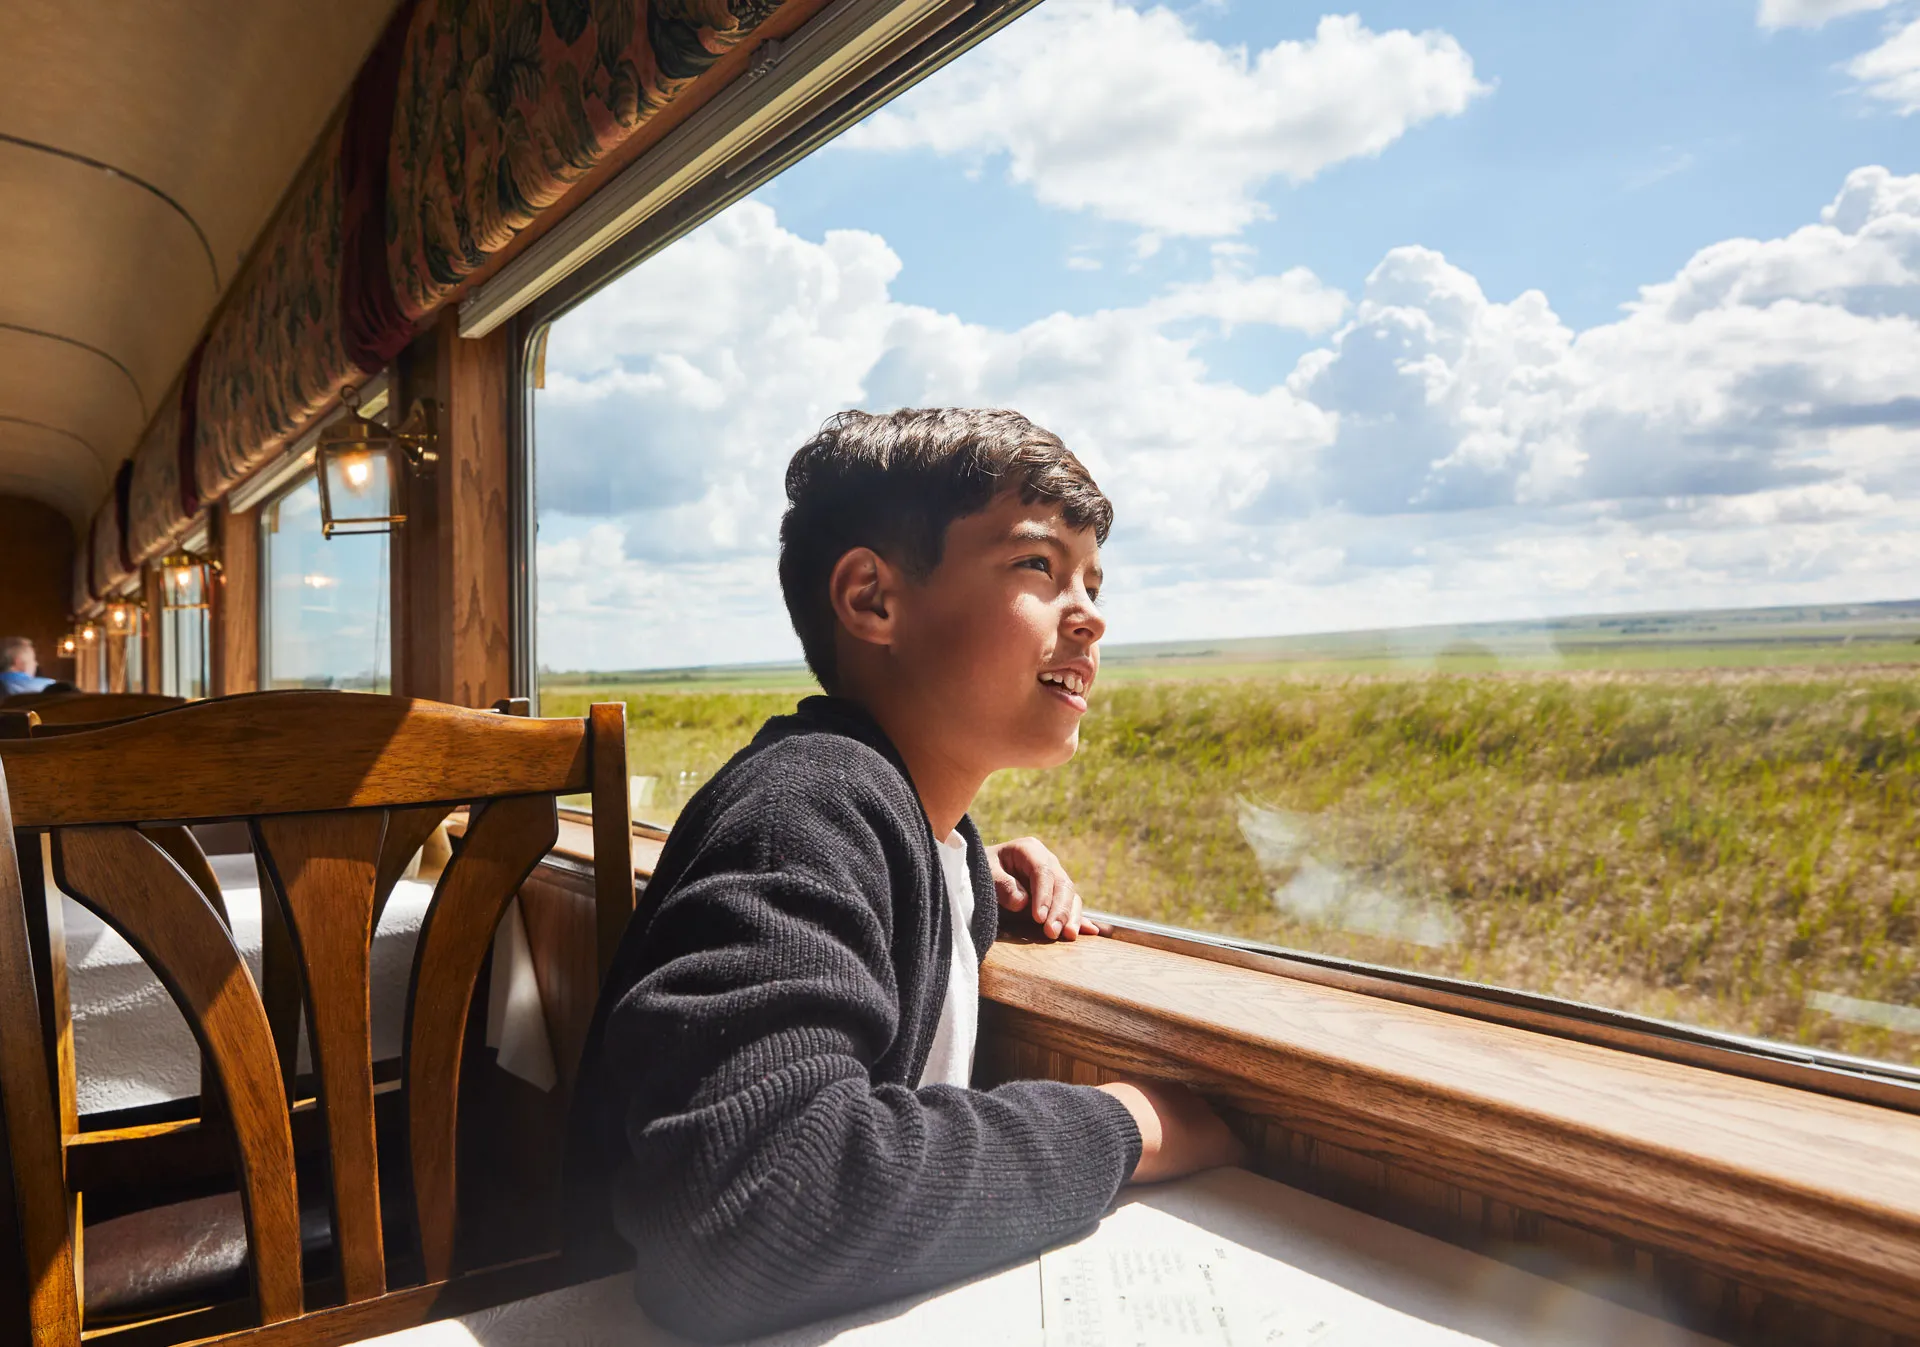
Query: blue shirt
x=12, y=681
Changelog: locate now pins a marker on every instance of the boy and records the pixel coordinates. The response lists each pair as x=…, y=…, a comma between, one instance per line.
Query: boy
x=773, y=1106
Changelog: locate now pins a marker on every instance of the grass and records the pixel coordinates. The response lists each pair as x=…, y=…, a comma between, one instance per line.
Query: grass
x=1727, y=847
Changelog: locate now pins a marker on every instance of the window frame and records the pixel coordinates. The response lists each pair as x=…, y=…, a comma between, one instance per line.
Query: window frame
x=951, y=29
x=937, y=33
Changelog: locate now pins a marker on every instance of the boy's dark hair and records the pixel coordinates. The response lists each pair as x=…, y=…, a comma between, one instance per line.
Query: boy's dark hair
x=895, y=482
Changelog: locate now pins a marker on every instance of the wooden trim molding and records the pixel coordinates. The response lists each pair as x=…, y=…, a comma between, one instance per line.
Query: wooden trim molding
x=1808, y=1196
x=451, y=572
x=1870, y=1082
x=235, y=635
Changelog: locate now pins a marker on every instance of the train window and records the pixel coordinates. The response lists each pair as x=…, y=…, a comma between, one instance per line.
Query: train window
x=133, y=651
x=325, y=601
x=1515, y=487
x=183, y=652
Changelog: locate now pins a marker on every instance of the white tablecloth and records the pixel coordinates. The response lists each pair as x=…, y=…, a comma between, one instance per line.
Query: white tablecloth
x=130, y=1045
x=132, y=1048
x=1305, y=1272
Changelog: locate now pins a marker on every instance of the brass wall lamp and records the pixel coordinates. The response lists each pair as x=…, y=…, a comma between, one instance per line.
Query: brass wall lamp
x=186, y=580
x=123, y=619
x=357, y=463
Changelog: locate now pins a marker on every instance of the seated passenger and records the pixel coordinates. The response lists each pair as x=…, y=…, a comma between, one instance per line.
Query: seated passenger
x=773, y=1110
x=20, y=668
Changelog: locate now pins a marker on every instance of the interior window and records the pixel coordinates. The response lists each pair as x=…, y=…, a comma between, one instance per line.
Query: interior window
x=1516, y=489
x=183, y=652
x=133, y=648
x=325, y=602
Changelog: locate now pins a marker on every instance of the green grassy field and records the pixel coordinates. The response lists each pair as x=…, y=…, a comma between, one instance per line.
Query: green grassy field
x=1730, y=841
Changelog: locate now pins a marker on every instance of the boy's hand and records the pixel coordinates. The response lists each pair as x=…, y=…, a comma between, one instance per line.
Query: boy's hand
x=1028, y=876
x=1179, y=1133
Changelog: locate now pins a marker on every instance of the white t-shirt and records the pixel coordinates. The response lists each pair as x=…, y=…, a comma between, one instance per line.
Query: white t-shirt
x=951, y=1060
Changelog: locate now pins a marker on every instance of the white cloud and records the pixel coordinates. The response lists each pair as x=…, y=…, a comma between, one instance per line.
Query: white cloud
x=1759, y=366
x=1812, y=13
x=1890, y=72
x=1130, y=114
x=1746, y=432
x=674, y=398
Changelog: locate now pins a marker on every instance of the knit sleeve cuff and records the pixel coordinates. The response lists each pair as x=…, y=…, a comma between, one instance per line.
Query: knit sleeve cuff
x=1114, y=1131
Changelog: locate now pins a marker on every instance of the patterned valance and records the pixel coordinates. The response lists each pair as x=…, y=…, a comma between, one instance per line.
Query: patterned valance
x=505, y=104
x=81, y=600
x=156, y=515
x=104, y=549
x=274, y=358
x=469, y=118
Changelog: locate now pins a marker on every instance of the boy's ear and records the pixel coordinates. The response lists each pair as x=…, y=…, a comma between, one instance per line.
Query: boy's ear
x=863, y=588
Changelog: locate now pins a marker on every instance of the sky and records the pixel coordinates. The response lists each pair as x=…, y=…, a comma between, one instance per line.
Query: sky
x=1405, y=314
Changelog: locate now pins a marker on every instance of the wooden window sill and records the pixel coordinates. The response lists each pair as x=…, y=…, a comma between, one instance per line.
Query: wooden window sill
x=1805, y=1194
x=574, y=848
x=1812, y=1196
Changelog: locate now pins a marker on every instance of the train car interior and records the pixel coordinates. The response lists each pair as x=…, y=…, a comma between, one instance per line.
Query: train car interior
x=1498, y=802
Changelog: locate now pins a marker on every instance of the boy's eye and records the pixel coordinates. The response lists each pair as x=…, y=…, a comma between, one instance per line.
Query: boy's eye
x=1040, y=564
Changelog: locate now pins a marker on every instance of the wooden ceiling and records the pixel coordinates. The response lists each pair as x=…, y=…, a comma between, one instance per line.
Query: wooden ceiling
x=143, y=147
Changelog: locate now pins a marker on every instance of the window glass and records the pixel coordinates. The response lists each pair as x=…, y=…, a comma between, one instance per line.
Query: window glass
x=1516, y=486
x=183, y=652
x=134, y=646
x=326, y=619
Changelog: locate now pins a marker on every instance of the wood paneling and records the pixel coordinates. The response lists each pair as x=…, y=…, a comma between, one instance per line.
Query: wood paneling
x=1669, y=1178
x=150, y=618
x=235, y=635
x=451, y=574
x=39, y=583
x=473, y=473
x=416, y=565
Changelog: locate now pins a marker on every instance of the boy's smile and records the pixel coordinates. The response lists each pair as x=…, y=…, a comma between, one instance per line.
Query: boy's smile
x=1071, y=681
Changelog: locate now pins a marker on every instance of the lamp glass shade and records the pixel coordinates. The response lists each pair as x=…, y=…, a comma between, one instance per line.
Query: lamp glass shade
x=357, y=486
x=183, y=581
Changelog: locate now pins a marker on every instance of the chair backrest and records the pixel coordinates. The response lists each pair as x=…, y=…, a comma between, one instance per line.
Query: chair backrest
x=30, y=717
x=338, y=791
x=88, y=708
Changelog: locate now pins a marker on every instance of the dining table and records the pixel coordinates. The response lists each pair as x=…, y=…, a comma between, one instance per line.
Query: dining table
x=1225, y=1258
x=132, y=1047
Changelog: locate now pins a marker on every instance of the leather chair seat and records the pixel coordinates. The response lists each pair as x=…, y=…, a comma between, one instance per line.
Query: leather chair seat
x=178, y=1255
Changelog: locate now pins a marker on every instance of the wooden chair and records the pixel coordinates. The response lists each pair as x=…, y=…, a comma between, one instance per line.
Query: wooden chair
x=331, y=787
x=78, y=713
x=89, y=708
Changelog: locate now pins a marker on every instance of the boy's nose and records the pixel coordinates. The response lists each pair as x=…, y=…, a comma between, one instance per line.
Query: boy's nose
x=1085, y=620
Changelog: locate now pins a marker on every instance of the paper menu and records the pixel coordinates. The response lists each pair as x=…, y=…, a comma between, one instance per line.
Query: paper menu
x=1155, y=1293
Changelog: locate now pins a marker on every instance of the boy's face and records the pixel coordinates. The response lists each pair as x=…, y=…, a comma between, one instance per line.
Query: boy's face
x=996, y=650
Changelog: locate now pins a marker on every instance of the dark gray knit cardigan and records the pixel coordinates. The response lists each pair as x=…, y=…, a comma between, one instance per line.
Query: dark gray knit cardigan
x=746, y=1116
